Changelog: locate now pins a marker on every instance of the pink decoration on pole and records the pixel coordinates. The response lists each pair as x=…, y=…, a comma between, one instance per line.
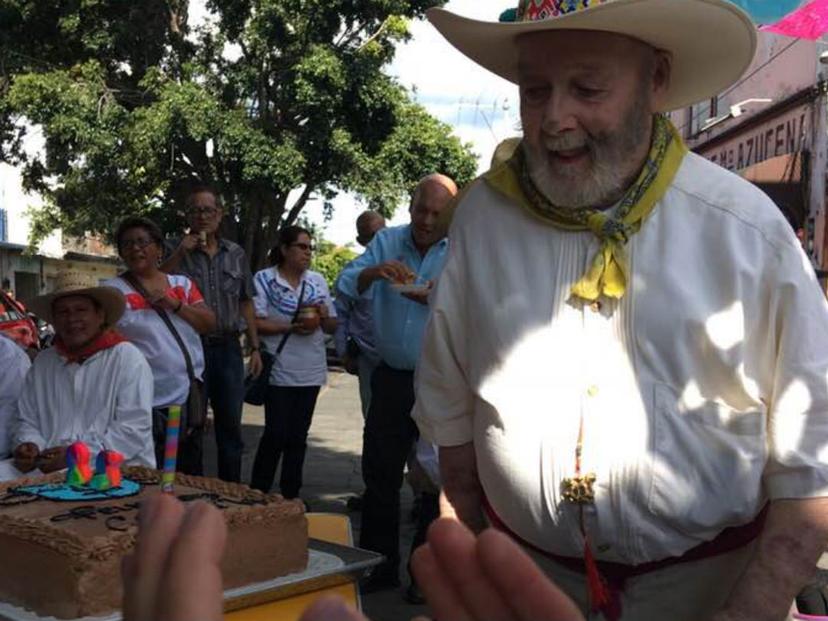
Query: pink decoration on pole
x=807, y=22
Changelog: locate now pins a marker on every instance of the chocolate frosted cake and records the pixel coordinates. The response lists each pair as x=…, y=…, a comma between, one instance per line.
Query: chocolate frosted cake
x=62, y=557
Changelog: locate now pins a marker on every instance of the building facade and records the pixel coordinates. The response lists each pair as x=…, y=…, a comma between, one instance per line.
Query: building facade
x=770, y=128
x=31, y=272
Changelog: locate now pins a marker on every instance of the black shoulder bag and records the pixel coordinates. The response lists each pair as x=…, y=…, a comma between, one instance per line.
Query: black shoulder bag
x=255, y=388
x=196, y=406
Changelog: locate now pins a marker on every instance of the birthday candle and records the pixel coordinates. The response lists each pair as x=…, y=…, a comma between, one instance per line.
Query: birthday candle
x=79, y=471
x=171, y=448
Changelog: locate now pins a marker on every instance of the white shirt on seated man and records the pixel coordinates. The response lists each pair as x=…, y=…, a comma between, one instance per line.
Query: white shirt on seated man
x=92, y=386
x=15, y=364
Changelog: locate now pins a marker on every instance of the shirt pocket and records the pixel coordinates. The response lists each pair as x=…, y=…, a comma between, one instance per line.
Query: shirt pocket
x=708, y=460
x=231, y=281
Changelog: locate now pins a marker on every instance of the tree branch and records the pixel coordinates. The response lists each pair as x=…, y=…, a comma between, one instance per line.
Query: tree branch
x=374, y=36
x=347, y=35
x=299, y=204
x=178, y=16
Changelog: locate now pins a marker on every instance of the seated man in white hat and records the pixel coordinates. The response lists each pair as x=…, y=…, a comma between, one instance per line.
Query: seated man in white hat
x=636, y=388
x=92, y=386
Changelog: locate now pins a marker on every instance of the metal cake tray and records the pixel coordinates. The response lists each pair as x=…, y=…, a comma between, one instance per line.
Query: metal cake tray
x=329, y=564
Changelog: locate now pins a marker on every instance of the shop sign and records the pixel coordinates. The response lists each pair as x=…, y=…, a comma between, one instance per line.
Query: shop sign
x=785, y=134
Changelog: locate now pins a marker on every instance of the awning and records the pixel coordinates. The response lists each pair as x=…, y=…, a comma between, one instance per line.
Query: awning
x=781, y=178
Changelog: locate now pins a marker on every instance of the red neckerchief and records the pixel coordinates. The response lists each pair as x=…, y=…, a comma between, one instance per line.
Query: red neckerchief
x=105, y=340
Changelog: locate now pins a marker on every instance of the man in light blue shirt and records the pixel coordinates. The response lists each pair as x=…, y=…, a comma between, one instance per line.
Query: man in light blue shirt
x=354, y=336
x=397, y=271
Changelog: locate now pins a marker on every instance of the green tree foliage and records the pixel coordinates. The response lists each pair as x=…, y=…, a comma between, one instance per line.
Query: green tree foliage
x=329, y=260
x=274, y=102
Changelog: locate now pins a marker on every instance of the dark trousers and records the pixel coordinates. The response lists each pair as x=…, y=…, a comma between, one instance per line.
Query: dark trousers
x=224, y=380
x=387, y=440
x=429, y=511
x=288, y=413
x=190, y=444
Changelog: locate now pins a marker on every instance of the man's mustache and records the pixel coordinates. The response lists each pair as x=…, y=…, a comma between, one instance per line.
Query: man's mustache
x=566, y=142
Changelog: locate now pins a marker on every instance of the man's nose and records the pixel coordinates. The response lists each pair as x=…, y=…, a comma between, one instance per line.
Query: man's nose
x=559, y=114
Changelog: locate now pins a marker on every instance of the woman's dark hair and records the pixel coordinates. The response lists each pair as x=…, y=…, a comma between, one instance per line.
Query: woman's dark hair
x=287, y=236
x=136, y=222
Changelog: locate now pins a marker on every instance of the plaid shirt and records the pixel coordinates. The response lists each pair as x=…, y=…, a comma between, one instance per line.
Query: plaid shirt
x=224, y=280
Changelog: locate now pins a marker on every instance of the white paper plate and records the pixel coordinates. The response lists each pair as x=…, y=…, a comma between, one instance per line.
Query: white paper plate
x=413, y=288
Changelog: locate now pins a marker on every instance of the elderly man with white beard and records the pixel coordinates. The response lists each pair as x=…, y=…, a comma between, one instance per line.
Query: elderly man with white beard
x=634, y=387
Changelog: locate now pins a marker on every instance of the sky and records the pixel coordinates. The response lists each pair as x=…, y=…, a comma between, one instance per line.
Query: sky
x=480, y=107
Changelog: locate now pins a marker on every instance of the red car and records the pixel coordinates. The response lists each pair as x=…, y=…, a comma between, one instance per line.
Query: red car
x=16, y=323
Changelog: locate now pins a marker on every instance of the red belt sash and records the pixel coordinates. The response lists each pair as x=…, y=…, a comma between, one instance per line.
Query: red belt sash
x=617, y=574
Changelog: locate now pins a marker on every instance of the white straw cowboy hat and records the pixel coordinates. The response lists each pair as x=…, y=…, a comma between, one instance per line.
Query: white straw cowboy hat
x=711, y=41
x=77, y=283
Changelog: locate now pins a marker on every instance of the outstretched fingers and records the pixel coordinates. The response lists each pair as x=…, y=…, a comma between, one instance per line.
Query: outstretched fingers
x=174, y=573
x=456, y=549
x=529, y=592
x=158, y=523
x=193, y=583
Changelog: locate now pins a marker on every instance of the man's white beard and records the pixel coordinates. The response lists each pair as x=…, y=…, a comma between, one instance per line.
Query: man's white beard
x=609, y=174
x=602, y=185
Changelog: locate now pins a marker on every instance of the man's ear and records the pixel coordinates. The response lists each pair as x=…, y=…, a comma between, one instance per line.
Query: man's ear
x=662, y=71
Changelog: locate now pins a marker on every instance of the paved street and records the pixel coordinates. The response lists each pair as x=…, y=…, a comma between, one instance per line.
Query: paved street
x=332, y=473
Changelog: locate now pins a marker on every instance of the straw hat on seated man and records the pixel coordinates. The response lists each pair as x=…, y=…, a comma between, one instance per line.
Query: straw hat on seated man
x=92, y=386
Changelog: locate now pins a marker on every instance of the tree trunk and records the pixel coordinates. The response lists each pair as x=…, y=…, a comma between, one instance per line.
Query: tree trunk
x=298, y=205
x=268, y=207
x=252, y=223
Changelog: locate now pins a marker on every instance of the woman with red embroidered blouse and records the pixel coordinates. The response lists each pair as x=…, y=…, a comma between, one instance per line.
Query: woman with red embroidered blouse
x=157, y=303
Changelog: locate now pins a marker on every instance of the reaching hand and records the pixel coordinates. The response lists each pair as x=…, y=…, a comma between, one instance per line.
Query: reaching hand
x=468, y=578
x=162, y=299
x=52, y=459
x=174, y=573
x=189, y=242
x=421, y=297
x=393, y=271
x=25, y=456
x=255, y=365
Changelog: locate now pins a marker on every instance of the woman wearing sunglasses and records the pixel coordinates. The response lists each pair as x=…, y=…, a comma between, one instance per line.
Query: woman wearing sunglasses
x=293, y=310
x=165, y=314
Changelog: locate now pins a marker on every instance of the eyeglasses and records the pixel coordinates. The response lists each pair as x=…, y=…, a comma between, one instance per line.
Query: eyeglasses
x=202, y=211
x=303, y=247
x=138, y=244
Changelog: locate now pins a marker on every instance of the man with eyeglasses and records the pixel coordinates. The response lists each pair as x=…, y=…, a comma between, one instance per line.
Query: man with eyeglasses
x=222, y=272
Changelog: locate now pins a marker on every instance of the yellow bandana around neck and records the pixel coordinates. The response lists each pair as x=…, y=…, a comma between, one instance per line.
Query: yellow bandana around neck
x=608, y=273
